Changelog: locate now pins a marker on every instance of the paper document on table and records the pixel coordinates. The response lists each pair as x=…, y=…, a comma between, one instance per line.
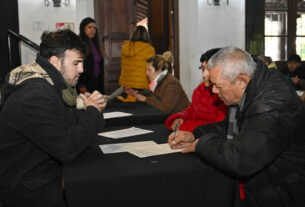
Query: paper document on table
x=115, y=114
x=140, y=149
x=152, y=150
x=300, y=93
x=124, y=147
x=132, y=131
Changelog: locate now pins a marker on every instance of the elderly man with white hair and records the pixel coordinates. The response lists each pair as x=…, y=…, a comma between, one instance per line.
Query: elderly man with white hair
x=261, y=142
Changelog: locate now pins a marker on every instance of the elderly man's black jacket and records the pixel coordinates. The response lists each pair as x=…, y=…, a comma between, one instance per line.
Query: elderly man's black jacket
x=268, y=154
x=38, y=132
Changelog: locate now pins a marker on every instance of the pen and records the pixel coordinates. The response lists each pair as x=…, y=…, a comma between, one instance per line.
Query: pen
x=176, y=126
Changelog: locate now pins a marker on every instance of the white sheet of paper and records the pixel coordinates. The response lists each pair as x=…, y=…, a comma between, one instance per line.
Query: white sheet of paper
x=152, y=150
x=116, y=114
x=132, y=131
x=300, y=93
x=140, y=149
x=124, y=147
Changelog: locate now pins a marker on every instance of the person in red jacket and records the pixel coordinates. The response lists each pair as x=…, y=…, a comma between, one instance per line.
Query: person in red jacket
x=205, y=108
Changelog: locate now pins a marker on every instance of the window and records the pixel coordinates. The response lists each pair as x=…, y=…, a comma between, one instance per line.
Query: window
x=284, y=28
x=300, y=34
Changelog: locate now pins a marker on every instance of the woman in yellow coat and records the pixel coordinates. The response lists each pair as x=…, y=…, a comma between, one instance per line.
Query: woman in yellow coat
x=135, y=53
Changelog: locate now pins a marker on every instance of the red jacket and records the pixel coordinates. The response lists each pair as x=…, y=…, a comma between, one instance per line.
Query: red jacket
x=206, y=107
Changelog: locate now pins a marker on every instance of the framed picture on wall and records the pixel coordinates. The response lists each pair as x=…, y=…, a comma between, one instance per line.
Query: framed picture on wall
x=65, y=25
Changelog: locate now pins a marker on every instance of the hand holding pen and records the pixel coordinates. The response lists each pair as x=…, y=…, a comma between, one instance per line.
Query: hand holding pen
x=178, y=121
x=180, y=139
x=176, y=127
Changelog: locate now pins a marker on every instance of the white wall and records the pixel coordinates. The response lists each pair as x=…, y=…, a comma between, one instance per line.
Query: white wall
x=35, y=17
x=203, y=27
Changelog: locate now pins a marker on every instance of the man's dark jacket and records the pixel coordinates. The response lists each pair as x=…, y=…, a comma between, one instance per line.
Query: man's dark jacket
x=38, y=132
x=268, y=153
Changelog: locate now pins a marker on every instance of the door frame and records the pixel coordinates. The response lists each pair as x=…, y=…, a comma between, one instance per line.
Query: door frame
x=174, y=35
x=173, y=13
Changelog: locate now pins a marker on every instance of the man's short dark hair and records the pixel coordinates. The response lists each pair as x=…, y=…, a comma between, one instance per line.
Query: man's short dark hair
x=208, y=54
x=56, y=43
x=295, y=58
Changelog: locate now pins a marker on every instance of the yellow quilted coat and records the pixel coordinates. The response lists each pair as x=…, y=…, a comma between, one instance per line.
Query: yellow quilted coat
x=133, y=64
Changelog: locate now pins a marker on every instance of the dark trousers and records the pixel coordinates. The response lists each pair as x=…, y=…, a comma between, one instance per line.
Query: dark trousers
x=48, y=195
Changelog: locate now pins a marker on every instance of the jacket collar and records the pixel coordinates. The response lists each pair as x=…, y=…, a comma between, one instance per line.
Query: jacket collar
x=54, y=74
x=162, y=76
x=261, y=74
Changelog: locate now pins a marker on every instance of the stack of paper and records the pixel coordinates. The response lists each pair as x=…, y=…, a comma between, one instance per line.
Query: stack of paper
x=132, y=131
x=300, y=93
x=115, y=114
x=140, y=149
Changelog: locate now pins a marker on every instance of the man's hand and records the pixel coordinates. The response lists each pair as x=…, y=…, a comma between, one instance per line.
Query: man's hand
x=178, y=121
x=190, y=147
x=95, y=99
x=99, y=99
x=295, y=80
x=181, y=139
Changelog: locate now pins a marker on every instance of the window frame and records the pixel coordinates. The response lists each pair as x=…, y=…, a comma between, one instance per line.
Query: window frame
x=291, y=35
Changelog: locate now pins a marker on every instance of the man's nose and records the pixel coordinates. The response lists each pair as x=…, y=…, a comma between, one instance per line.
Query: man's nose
x=81, y=68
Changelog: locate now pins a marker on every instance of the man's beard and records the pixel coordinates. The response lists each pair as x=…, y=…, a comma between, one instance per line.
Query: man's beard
x=63, y=72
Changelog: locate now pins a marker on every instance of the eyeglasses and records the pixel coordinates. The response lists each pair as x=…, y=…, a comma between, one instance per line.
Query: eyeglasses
x=200, y=67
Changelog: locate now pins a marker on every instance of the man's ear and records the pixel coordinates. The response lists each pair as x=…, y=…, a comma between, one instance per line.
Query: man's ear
x=56, y=62
x=243, y=81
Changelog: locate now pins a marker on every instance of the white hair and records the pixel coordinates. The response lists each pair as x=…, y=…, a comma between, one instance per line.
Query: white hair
x=233, y=62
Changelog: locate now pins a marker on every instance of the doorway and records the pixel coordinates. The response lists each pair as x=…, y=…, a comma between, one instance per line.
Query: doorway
x=116, y=21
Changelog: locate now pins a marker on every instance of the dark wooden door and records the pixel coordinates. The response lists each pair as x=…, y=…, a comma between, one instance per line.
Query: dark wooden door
x=163, y=26
x=158, y=23
x=116, y=22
